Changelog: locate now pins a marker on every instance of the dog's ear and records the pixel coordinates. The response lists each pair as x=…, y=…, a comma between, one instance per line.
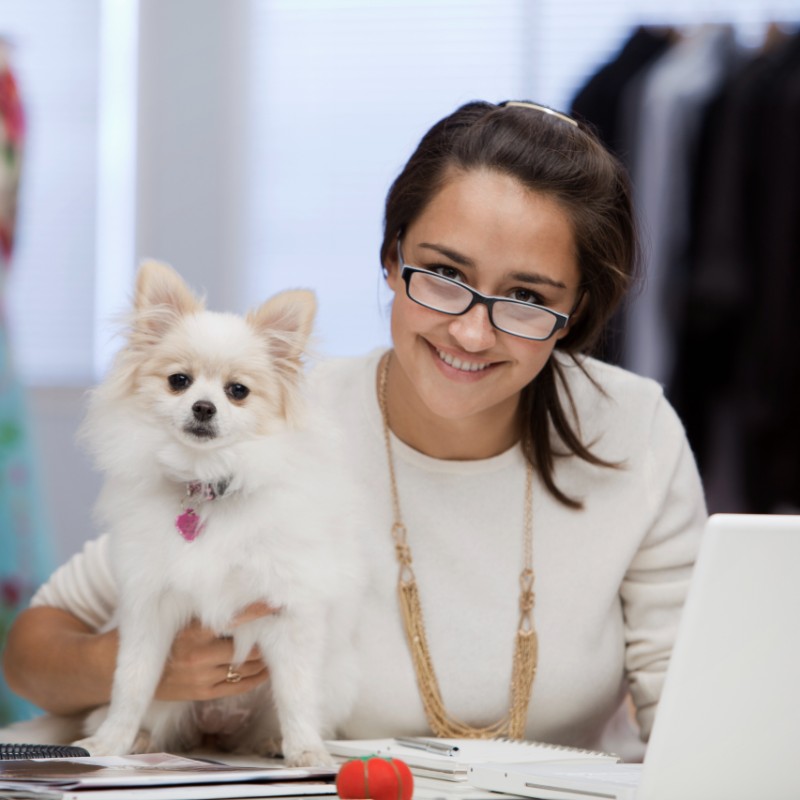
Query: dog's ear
x=285, y=321
x=161, y=298
x=158, y=284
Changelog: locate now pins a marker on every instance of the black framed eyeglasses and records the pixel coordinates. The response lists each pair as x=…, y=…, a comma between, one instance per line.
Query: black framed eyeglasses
x=434, y=291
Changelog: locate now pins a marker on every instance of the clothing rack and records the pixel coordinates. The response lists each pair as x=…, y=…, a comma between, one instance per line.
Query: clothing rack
x=709, y=130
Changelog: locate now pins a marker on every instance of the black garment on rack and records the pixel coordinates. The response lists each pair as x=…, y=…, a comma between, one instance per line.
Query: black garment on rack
x=721, y=248
x=740, y=345
x=771, y=379
x=599, y=103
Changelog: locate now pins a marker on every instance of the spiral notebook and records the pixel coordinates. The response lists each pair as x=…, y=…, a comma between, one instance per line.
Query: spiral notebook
x=451, y=759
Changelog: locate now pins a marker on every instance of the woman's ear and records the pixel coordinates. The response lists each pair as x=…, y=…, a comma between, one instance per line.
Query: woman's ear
x=575, y=315
x=391, y=266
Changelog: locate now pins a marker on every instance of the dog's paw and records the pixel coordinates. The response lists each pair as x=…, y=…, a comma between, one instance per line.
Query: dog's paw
x=308, y=758
x=272, y=747
x=99, y=746
x=142, y=743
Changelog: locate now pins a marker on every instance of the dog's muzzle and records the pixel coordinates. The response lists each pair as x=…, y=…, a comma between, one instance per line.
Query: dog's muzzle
x=201, y=425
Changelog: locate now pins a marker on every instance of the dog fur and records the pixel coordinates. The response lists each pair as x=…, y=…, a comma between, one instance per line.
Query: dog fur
x=282, y=528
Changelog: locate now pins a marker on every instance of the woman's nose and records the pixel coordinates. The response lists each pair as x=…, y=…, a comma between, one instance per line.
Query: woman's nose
x=473, y=331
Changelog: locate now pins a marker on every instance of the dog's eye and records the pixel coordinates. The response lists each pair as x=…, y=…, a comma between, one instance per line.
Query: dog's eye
x=236, y=391
x=179, y=382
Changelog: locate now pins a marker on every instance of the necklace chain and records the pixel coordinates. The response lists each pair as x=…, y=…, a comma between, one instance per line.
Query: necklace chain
x=526, y=644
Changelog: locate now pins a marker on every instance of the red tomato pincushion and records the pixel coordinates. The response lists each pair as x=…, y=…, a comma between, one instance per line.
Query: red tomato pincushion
x=374, y=777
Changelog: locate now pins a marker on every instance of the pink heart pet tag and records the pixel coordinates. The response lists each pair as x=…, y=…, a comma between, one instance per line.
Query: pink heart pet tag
x=189, y=525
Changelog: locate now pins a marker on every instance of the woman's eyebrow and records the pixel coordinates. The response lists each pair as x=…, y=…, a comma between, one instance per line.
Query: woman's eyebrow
x=535, y=278
x=460, y=259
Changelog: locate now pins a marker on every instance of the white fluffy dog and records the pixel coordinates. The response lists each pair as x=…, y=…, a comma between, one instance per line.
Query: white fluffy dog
x=221, y=492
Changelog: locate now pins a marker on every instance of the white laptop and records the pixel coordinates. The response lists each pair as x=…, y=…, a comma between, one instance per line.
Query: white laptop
x=728, y=723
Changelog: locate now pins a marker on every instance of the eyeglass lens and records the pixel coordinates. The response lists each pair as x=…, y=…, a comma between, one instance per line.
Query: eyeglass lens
x=443, y=295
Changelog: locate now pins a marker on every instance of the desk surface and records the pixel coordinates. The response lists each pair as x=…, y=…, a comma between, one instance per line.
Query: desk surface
x=63, y=730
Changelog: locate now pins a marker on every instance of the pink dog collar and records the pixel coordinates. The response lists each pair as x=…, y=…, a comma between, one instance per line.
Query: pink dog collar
x=189, y=525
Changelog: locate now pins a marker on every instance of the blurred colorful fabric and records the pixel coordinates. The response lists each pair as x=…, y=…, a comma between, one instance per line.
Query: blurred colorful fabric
x=25, y=554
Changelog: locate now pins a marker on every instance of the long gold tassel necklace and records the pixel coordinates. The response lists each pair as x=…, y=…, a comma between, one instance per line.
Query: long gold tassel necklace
x=525, y=647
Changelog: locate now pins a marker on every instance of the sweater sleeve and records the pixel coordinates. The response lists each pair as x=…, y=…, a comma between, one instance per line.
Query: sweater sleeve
x=656, y=583
x=84, y=586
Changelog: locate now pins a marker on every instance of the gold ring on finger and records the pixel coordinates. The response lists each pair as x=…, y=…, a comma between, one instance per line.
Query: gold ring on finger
x=233, y=676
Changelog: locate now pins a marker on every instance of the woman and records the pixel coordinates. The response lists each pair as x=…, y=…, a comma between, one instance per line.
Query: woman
x=529, y=505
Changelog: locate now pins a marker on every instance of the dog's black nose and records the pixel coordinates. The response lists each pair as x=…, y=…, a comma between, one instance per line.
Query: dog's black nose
x=203, y=410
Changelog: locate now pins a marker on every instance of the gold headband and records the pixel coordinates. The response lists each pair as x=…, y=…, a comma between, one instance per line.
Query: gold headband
x=537, y=107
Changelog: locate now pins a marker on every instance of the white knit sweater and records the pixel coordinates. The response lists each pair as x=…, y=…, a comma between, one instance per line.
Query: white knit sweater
x=610, y=579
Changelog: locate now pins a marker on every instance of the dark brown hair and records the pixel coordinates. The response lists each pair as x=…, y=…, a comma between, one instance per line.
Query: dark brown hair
x=569, y=164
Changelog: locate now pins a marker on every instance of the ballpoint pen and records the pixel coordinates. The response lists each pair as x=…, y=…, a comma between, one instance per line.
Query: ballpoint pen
x=428, y=745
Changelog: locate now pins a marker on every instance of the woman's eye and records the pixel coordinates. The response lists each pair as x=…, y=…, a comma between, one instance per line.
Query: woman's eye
x=236, y=391
x=526, y=296
x=179, y=382
x=447, y=272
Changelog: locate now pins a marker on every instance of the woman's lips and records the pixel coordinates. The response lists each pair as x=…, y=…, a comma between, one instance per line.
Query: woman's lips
x=461, y=366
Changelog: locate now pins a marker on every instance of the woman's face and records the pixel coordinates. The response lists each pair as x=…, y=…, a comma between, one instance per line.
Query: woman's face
x=486, y=229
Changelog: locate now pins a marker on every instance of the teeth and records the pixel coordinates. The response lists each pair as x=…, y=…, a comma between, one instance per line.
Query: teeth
x=457, y=363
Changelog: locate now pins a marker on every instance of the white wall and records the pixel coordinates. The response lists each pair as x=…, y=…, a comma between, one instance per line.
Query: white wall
x=266, y=137
x=267, y=132
x=69, y=483
x=191, y=168
x=55, y=58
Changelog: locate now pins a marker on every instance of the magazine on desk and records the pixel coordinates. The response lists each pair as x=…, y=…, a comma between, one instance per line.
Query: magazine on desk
x=155, y=776
x=451, y=759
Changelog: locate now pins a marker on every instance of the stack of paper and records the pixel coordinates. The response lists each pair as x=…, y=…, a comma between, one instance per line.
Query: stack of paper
x=451, y=759
x=156, y=776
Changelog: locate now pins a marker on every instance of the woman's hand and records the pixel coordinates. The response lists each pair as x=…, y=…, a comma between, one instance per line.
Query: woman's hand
x=64, y=666
x=199, y=663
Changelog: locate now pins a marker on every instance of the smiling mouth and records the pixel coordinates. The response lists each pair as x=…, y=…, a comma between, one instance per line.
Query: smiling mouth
x=459, y=364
